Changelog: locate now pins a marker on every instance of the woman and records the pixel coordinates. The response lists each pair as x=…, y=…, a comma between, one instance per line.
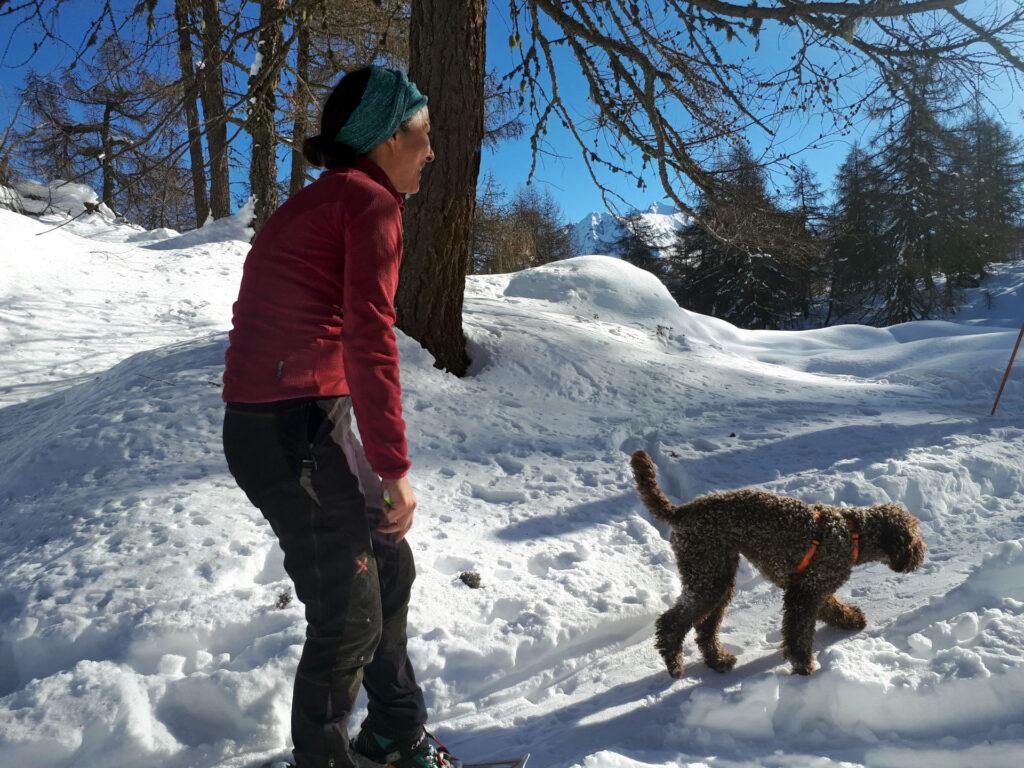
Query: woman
x=312, y=343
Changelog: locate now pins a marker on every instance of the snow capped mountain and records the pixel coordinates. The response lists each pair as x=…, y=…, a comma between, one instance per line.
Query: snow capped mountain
x=597, y=232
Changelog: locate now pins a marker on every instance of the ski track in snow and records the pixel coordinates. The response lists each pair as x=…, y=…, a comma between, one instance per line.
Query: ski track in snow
x=138, y=588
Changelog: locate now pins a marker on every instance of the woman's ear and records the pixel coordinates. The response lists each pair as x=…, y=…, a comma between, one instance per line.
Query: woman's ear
x=391, y=141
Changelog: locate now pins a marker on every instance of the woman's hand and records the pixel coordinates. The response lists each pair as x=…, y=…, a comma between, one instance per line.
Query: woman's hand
x=399, y=503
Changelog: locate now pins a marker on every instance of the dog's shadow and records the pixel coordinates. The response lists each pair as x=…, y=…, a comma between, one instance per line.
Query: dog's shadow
x=570, y=518
x=642, y=711
x=569, y=735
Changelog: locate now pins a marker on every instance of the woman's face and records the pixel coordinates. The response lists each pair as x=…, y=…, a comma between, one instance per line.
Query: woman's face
x=404, y=155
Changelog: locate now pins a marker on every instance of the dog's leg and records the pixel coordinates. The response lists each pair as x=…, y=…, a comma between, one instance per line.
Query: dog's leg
x=799, y=612
x=715, y=655
x=836, y=613
x=670, y=629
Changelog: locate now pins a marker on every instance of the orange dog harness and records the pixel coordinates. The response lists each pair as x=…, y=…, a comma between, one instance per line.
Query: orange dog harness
x=816, y=542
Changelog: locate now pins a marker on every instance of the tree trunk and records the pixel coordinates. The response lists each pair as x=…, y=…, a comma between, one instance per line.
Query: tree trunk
x=448, y=47
x=190, y=93
x=299, y=127
x=262, y=107
x=107, y=156
x=213, y=109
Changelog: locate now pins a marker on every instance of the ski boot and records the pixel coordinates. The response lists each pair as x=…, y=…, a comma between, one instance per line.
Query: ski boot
x=422, y=751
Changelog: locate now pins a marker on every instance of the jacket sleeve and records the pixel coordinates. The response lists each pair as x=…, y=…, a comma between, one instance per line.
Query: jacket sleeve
x=373, y=254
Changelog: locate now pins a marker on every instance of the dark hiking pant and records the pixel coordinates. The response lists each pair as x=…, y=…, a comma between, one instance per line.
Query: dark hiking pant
x=299, y=462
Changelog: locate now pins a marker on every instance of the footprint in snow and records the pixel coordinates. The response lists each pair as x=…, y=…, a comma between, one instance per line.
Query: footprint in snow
x=495, y=495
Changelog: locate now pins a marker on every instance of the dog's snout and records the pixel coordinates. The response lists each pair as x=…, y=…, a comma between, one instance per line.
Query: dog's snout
x=911, y=561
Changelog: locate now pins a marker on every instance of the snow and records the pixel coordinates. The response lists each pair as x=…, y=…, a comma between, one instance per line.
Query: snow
x=58, y=197
x=257, y=63
x=235, y=227
x=138, y=588
x=76, y=300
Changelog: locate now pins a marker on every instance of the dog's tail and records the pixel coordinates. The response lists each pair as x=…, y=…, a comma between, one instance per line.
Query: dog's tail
x=647, y=486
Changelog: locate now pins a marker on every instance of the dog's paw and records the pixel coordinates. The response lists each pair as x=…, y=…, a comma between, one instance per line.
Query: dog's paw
x=843, y=616
x=804, y=669
x=675, y=666
x=723, y=663
x=854, y=619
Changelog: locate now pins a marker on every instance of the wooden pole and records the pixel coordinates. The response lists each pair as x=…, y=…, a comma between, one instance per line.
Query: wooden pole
x=1006, y=375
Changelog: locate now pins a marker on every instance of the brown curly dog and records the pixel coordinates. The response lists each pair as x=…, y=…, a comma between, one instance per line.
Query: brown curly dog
x=806, y=549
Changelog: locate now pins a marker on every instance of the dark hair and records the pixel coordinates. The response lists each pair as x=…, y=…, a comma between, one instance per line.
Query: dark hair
x=323, y=150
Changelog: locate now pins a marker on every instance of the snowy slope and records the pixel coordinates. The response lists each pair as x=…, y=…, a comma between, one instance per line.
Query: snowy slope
x=138, y=587
x=76, y=300
x=597, y=232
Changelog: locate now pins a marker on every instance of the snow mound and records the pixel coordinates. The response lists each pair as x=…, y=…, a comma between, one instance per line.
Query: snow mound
x=10, y=199
x=609, y=759
x=610, y=290
x=99, y=667
x=59, y=197
x=88, y=428
x=152, y=235
x=234, y=227
x=623, y=291
x=57, y=729
x=61, y=204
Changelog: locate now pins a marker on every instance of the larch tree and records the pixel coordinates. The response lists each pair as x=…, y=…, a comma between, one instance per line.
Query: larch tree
x=856, y=251
x=448, y=62
x=183, y=14
x=923, y=226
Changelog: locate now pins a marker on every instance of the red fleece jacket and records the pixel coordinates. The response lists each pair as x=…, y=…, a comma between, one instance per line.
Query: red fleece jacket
x=315, y=311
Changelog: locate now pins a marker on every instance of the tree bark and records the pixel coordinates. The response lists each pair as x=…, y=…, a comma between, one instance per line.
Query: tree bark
x=213, y=109
x=107, y=157
x=447, y=62
x=190, y=92
x=299, y=126
x=262, y=107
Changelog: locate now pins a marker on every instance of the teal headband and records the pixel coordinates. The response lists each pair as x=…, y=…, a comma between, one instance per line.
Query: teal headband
x=388, y=101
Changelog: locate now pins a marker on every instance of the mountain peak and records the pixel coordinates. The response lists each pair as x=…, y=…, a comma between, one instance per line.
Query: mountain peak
x=662, y=208
x=598, y=231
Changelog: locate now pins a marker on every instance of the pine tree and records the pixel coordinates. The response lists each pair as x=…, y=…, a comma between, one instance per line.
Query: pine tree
x=52, y=141
x=806, y=196
x=636, y=245
x=756, y=279
x=808, y=209
x=855, y=251
x=501, y=242
x=924, y=230
x=989, y=170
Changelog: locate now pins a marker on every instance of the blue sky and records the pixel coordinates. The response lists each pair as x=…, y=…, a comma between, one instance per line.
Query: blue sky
x=569, y=182
x=565, y=177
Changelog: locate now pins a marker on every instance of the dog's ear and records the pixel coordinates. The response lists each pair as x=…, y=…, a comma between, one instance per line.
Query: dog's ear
x=900, y=538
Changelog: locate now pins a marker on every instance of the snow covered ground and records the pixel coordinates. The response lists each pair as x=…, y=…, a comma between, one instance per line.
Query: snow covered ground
x=138, y=589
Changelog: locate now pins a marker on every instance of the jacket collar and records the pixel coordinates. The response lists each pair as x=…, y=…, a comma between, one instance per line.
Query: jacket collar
x=375, y=172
